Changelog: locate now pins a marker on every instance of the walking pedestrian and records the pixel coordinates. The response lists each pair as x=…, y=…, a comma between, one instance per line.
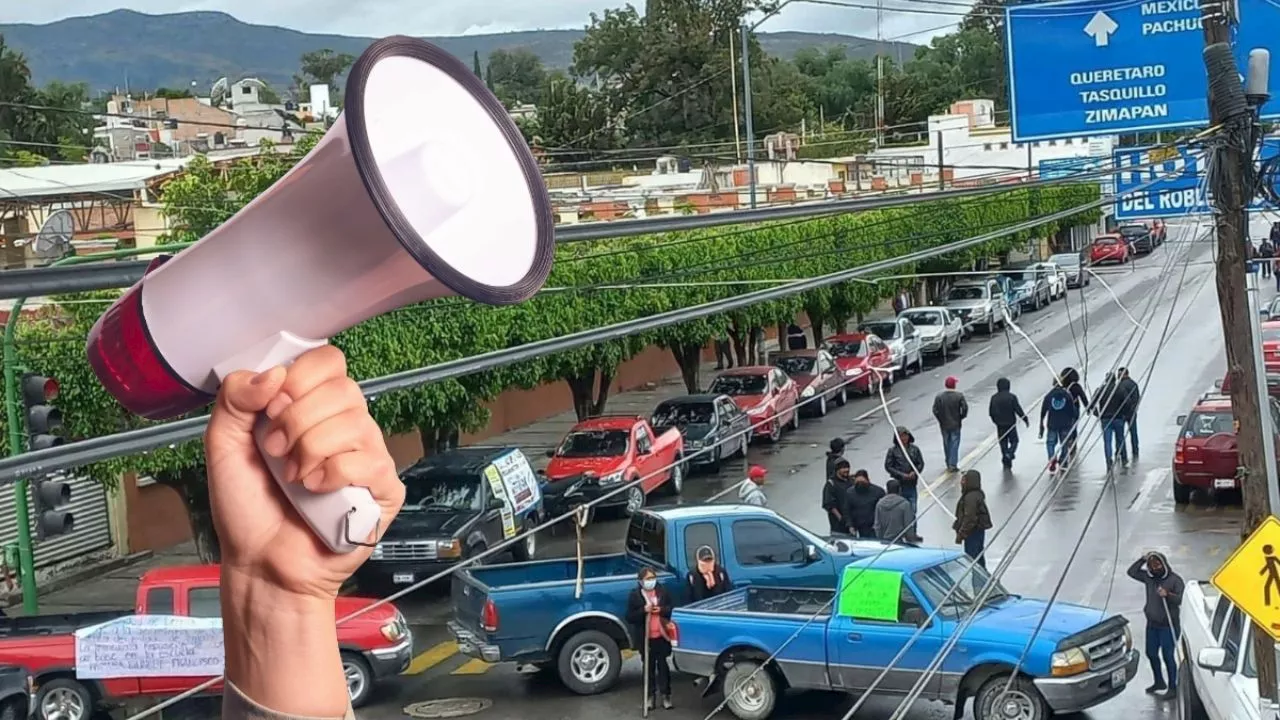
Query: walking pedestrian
x=749, y=491
x=1275, y=244
x=1058, y=416
x=1164, y=599
x=708, y=578
x=1005, y=411
x=724, y=352
x=860, y=505
x=1109, y=406
x=895, y=518
x=835, y=492
x=950, y=409
x=649, y=613
x=973, y=519
x=904, y=462
x=1266, y=253
x=1070, y=378
x=1131, y=394
x=796, y=339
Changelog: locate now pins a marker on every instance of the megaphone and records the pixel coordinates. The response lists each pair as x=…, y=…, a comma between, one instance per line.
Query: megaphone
x=423, y=188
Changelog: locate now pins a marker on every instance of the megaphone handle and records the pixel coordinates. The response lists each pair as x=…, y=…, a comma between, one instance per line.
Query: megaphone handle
x=344, y=519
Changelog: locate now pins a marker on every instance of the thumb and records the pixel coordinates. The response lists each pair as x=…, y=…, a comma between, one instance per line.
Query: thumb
x=243, y=396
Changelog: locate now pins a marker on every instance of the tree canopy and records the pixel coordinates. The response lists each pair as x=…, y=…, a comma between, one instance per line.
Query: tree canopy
x=30, y=136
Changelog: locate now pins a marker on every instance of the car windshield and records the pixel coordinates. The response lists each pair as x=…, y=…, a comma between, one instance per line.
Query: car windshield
x=682, y=414
x=967, y=580
x=923, y=317
x=594, y=443
x=1071, y=260
x=796, y=364
x=1270, y=334
x=1202, y=425
x=967, y=293
x=847, y=348
x=441, y=490
x=739, y=384
x=885, y=330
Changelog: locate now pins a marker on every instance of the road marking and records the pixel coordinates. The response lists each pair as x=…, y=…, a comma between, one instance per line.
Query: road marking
x=980, y=352
x=472, y=667
x=431, y=657
x=877, y=410
x=1155, y=480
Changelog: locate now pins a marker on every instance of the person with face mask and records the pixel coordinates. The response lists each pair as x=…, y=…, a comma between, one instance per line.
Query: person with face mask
x=835, y=492
x=860, y=505
x=1164, y=600
x=708, y=578
x=649, y=613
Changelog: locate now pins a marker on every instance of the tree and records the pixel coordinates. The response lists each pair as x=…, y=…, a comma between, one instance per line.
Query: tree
x=475, y=63
x=62, y=133
x=173, y=94
x=322, y=67
x=516, y=76
x=268, y=95
x=572, y=115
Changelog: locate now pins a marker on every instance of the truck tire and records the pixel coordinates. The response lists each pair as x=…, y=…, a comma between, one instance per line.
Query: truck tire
x=756, y=691
x=15, y=708
x=1190, y=706
x=526, y=549
x=589, y=662
x=1023, y=700
x=63, y=699
x=359, y=678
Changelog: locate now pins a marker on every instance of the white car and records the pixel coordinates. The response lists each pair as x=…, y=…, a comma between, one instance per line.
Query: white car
x=940, y=331
x=1217, y=676
x=903, y=340
x=1056, y=276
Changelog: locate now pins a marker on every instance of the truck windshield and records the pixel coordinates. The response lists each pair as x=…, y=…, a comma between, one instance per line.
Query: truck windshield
x=936, y=582
x=967, y=293
x=594, y=443
x=441, y=490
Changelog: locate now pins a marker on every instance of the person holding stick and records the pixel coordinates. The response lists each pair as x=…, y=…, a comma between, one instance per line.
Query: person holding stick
x=649, y=613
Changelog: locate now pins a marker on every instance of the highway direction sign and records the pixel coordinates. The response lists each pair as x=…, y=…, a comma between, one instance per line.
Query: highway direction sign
x=1103, y=67
x=1177, y=189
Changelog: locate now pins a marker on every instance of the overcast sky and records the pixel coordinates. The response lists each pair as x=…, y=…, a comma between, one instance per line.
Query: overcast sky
x=464, y=17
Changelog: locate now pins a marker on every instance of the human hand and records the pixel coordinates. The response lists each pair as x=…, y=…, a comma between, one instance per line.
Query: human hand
x=652, y=609
x=1162, y=592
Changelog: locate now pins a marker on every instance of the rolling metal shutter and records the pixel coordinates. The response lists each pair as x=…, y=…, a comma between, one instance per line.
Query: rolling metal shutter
x=92, y=527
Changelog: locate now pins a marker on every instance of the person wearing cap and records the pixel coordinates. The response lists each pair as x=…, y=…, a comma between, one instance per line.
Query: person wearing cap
x=973, y=519
x=904, y=463
x=708, y=578
x=950, y=409
x=749, y=491
x=835, y=493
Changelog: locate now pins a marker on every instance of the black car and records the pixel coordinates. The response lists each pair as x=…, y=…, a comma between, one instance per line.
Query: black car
x=15, y=693
x=1139, y=237
x=705, y=421
x=455, y=506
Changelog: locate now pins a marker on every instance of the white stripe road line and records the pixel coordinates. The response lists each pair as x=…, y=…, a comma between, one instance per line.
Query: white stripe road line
x=1150, y=487
x=878, y=409
x=980, y=352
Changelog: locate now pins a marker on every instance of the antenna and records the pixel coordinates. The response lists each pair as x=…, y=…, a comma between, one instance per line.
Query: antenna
x=54, y=238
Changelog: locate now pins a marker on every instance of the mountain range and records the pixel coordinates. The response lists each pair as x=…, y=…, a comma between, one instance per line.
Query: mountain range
x=176, y=49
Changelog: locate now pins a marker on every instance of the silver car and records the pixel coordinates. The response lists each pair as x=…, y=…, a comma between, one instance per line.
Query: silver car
x=940, y=331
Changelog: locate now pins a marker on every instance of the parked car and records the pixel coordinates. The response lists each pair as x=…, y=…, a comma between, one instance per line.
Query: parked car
x=457, y=504
x=1109, y=249
x=860, y=356
x=978, y=303
x=816, y=374
x=1139, y=237
x=1013, y=296
x=601, y=454
x=1069, y=657
x=1272, y=310
x=903, y=341
x=705, y=421
x=376, y=644
x=765, y=394
x=1073, y=267
x=16, y=687
x=532, y=614
x=1055, y=276
x=1217, y=673
x=1031, y=285
x=1205, y=455
x=940, y=331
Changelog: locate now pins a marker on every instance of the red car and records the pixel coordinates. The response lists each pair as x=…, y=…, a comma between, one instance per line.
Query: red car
x=818, y=377
x=375, y=645
x=857, y=356
x=1110, y=248
x=611, y=451
x=765, y=394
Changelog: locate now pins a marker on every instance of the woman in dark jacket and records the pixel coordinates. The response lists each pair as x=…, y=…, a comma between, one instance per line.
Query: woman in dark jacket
x=708, y=578
x=648, y=613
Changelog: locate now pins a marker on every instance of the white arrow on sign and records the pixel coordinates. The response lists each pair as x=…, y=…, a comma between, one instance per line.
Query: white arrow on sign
x=1100, y=28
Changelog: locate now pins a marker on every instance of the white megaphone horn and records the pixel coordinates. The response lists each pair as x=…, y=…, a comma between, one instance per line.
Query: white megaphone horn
x=423, y=188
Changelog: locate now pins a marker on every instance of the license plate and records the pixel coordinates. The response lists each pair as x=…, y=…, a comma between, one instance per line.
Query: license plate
x=402, y=578
x=1224, y=483
x=1117, y=678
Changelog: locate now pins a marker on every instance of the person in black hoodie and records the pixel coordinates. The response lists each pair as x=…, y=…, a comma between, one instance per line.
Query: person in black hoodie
x=904, y=463
x=1164, y=600
x=1111, y=408
x=860, y=505
x=834, y=454
x=973, y=519
x=835, y=493
x=1070, y=379
x=1005, y=411
x=1131, y=395
x=648, y=613
x=708, y=578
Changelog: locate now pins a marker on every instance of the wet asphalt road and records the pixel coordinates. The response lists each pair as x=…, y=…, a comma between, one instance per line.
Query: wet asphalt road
x=1138, y=514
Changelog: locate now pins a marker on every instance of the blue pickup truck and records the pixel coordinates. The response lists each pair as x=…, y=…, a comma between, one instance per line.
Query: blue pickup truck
x=1078, y=659
x=530, y=612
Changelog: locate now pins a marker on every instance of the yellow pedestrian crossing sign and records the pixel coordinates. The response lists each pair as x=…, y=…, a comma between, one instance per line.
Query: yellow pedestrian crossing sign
x=1250, y=578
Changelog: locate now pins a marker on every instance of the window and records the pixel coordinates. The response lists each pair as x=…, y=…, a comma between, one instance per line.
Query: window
x=695, y=536
x=647, y=537
x=1004, y=146
x=1250, y=668
x=986, y=147
x=1231, y=640
x=644, y=443
x=160, y=601
x=1220, y=616
x=760, y=542
x=204, y=603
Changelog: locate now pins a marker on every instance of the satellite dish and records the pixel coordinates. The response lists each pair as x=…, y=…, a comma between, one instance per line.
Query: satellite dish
x=218, y=92
x=54, y=238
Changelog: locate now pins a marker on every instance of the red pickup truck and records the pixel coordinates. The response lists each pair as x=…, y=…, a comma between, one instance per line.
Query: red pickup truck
x=598, y=455
x=375, y=645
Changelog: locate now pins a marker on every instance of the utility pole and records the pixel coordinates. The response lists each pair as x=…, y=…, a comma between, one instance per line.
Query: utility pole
x=879, y=74
x=746, y=111
x=1232, y=153
x=942, y=164
x=733, y=84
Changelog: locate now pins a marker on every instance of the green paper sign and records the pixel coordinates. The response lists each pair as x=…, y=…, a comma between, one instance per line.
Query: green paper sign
x=869, y=594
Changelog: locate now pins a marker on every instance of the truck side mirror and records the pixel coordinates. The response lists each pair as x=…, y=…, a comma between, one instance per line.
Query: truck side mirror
x=1213, y=659
x=811, y=553
x=1182, y=419
x=1217, y=383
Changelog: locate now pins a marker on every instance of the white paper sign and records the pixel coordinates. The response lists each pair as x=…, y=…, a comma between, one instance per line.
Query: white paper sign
x=150, y=646
x=521, y=485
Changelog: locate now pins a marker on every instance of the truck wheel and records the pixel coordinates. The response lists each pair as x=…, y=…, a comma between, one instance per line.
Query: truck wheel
x=63, y=699
x=675, y=485
x=1190, y=707
x=1181, y=493
x=750, y=691
x=359, y=678
x=525, y=550
x=1022, y=702
x=795, y=419
x=843, y=397
x=15, y=708
x=635, y=500
x=589, y=663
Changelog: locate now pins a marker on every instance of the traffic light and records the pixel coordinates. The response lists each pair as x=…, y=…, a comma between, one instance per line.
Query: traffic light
x=50, y=496
x=43, y=419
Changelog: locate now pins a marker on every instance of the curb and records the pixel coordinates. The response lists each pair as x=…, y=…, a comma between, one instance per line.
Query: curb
x=86, y=572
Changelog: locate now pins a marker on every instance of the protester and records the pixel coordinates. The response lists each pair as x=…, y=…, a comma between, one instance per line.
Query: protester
x=860, y=505
x=1058, y=416
x=835, y=493
x=1266, y=252
x=1110, y=408
x=904, y=463
x=796, y=339
x=973, y=519
x=648, y=613
x=1164, y=600
x=1005, y=411
x=708, y=578
x=724, y=352
x=1131, y=394
x=749, y=491
x=834, y=453
x=895, y=518
x=1070, y=378
x=950, y=409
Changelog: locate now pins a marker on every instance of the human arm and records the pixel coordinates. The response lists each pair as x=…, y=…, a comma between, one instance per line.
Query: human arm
x=991, y=410
x=665, y=605
x=1173, y=588
x=636, y=608
x=1019, y=412
x=964, y=408
x=967, y=518
x=237, y=706
x=1136, y=571
x=937, y=407
x=892, y=466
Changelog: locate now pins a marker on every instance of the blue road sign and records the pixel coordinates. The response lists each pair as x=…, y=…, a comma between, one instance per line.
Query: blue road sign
x=1119, y=66
x=1178, y=188
x=1067, y=167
